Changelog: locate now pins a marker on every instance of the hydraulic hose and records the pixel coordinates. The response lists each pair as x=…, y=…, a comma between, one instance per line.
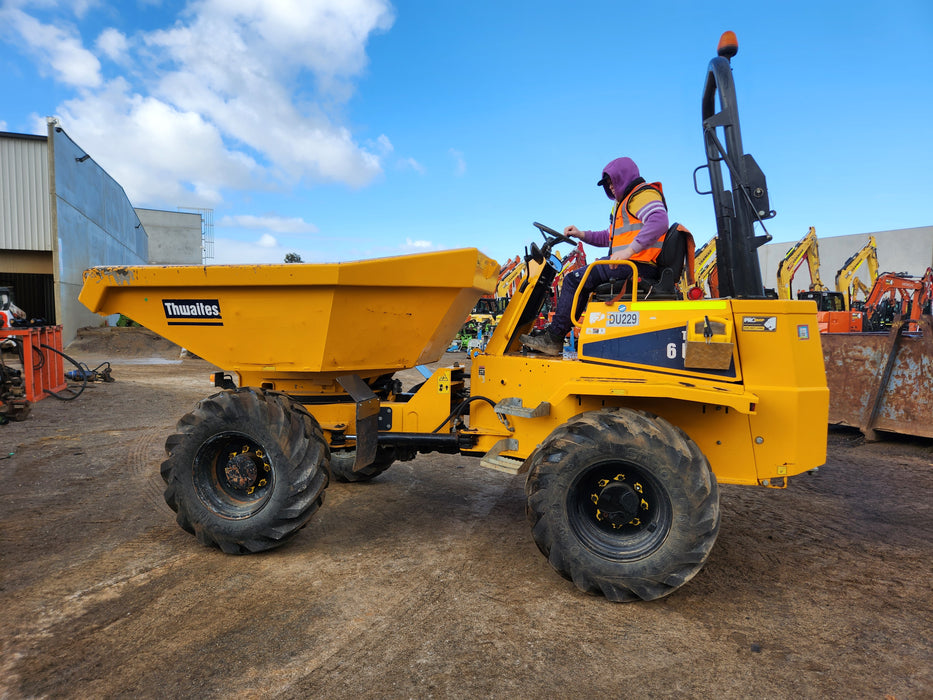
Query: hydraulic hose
x=71, y=394
x=458, y=409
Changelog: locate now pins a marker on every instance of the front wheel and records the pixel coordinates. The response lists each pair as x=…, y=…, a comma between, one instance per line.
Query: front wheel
x=622, y=503
x=246, y=470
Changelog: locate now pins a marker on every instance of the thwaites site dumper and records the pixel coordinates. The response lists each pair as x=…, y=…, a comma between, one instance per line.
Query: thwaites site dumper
x=623, y=443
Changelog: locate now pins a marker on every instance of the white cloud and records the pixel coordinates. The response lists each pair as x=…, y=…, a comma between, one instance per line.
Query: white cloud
x=267, y=240
x=416, y=245
x=384, y=145
x=234, y=94
x=82, y=7
x=411, y=164
x=244, y=84
x=158, y=153
x=112, y=43
x=278, y=224
x=228, y=251
x=56, y=48
x=459, y=162
x=326, y=36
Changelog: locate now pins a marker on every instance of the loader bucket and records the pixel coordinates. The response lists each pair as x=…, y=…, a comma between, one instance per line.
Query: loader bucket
x=881, y=381
x=370, y=317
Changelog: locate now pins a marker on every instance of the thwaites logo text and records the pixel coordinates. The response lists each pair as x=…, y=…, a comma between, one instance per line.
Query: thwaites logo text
x=192, y=312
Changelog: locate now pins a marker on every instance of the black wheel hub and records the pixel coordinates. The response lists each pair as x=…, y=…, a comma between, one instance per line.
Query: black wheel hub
x=241, y=471
x=619, y=510
x=233, y=475
x=618, y=503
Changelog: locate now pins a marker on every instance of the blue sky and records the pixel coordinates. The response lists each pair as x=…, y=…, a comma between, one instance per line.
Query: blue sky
x=347, y=129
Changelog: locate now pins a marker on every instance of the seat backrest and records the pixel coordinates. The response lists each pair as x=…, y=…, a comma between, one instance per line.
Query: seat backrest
x=673, y=253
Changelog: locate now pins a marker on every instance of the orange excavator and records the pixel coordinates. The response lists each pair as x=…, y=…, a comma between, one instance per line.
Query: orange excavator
x=898, y=295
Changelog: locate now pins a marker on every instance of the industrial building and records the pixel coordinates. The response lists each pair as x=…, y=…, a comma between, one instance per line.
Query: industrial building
x=60, y=213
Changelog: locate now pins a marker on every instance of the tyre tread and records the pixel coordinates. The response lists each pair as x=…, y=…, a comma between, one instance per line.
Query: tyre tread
x=645, y=433
x=303, y=471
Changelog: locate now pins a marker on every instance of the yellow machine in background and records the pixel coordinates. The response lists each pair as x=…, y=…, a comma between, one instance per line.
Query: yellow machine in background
x=846, y=281
x=834, y=314
x=705, y=269
x=623, y=443
x=806, y=249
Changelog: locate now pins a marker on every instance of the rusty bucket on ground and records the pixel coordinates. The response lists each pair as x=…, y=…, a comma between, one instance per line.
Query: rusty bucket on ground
x=882, y=381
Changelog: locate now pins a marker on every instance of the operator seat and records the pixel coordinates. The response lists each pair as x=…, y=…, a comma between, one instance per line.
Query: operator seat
x=676, y=254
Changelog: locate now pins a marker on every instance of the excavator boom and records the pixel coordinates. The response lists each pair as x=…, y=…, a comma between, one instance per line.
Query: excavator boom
x=847, y=282
x=807, y=249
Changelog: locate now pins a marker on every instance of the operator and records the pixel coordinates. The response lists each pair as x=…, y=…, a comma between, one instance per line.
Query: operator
x=637, y=225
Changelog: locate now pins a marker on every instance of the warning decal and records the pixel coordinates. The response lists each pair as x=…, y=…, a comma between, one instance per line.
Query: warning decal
x=767, y=324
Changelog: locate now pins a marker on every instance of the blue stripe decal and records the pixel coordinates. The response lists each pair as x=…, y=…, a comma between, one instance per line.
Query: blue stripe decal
x=664, y=348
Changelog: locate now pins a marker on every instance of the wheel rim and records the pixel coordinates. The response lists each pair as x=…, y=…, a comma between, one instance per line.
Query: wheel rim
x=619, y=510
x=233, y=475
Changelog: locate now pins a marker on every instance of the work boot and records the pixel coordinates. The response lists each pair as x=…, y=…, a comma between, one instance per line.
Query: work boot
x=545, y=343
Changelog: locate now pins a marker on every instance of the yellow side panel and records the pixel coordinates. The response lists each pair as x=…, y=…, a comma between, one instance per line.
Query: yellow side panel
x=780, y=345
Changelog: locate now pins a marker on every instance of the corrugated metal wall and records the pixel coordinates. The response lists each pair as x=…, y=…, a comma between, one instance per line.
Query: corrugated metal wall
x=25, y=222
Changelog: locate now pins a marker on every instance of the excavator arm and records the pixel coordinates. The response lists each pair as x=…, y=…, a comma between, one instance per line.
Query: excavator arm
x=805, y=249
x=705, y=268
x=847, y=282
x=510, y=277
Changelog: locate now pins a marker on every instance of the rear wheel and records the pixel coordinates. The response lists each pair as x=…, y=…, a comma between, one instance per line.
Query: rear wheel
x=341, y=464
x=246, y=470
x=622, y=503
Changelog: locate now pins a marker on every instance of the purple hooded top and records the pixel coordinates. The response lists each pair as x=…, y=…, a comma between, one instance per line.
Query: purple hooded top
x=623, y=173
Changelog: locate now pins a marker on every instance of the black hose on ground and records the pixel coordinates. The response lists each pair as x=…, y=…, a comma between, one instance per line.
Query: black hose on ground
x=38, y=361
x=72, y=394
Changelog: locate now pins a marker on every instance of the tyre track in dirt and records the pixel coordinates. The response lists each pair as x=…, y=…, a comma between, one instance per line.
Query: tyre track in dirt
x=145, y=459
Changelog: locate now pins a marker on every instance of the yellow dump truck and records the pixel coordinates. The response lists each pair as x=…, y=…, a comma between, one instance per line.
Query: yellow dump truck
x=623, y=442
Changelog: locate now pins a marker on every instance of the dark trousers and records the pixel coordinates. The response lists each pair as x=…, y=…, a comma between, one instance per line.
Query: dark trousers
x=561, y=323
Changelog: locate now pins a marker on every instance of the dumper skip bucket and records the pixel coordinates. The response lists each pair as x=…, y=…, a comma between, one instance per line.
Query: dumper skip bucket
x=368, y=317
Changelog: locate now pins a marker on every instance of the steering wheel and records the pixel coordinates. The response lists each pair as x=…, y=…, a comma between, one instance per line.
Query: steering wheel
x=551, y=236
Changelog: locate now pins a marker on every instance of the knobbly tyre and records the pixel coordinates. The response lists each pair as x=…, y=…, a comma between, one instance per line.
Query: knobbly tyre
x=623, y=444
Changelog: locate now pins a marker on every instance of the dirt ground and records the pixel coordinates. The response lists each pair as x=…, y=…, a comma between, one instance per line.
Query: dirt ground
x=426, y=583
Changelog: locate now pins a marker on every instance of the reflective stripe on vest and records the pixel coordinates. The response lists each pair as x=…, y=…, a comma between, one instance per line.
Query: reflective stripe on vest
x=624, y=227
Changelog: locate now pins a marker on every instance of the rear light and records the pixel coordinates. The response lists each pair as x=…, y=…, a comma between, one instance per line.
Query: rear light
x=695, y=293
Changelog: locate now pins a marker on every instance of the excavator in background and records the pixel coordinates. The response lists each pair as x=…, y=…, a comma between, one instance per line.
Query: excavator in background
x=833, y=315
x=875, y=351
x=807, y=249
x=487, y=313
x=846, y=281
x=898, y=296
x=859, y=287
x=510, y=276
x=704, y=270
x=8, y=310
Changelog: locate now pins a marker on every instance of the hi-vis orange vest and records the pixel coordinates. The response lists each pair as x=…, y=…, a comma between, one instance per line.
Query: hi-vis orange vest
x=624, y=226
